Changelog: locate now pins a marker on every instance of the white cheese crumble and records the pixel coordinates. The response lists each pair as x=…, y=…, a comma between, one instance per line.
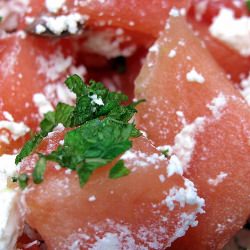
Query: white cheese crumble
x=183, y=196
x=174, y=166
x=17, y=129
x=234, y=32
x=10, y=215
x=96, y=100
x=194, y=76
x=8, y=116
x=64, y=23
x=42, y=103
x=110, y=241
x=54, y=6
x=40, y=29
x=217, y=105
x=218, y=179
x=172, y=53
x=54, y=66
x=184, y=145
x=245, y=89
x=92, y=198
x=108, y=44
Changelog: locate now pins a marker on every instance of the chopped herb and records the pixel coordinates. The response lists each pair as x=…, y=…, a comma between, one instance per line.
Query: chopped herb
x=22, y=180
x=1, y=18
x=101, y=132
x=118, y=170
x=248, y=4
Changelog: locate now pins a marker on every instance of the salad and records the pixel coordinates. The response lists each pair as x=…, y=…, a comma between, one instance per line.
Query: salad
x=124, y=125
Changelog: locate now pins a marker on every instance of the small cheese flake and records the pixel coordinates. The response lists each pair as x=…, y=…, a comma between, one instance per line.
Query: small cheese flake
x=217, y=105
x=17, y=129
x=194, y=76
x=64, y=23
x=54, y=6
x=92, y=198
x=96, y=100
x=174, y=166
x=218, y=179
x=162, y=178
x=234, y=32
x=42, y=103
x=245, y=89
x=172, y=53
x=40, y=29
x=8, y=116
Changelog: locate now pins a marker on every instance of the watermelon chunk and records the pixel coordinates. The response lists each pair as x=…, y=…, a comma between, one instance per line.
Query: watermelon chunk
x=144, y=210
x=192, y=107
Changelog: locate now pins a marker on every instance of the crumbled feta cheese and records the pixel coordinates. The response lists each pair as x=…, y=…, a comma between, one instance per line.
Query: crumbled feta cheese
x=172, y=53
x=54, y=66
x=10, y=215
x=60, y=93
x=218, y=179
x=96, y=100
x=40, y=29
x=92, y=198
x=162, y=178
x=109, y=241
x=174, y=166
x=184, y=143
x=234, y=32
x=54, y=6
x=17, y=130
x=42, y=103
x=154, y=48
x=245, y=89
x=8, y=116
x=107, y=44
x=217, y=105
x=64, y=23
x=184, y=196
x=194, y=76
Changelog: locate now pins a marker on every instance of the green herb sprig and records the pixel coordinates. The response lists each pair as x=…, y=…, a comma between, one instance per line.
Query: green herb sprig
x=101, y=132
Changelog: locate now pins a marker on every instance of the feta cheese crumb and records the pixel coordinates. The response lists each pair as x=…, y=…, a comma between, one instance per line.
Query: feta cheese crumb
x=40, y=29
x=96, y=100
x=10, y=216
x=174, y=166
x=218, y=179
x=64, y=23
x=109, y=241
x=194, y=76
x=162, y=178
x=234, y=32
x=184, y=142
x=184, y=196
x=17, y=129
x=54, y=6
x=217, y=105
x=92, y=198
x=42, y=103
x=245, y=89
x=172, y=53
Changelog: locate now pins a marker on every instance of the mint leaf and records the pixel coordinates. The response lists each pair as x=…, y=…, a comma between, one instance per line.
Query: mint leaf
x=23, y=180
x=62, y=114
x=39, y=170
x=119, y=170
x=101, y=131
x=76, y=85
x=93, y=145
x=248, y=4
